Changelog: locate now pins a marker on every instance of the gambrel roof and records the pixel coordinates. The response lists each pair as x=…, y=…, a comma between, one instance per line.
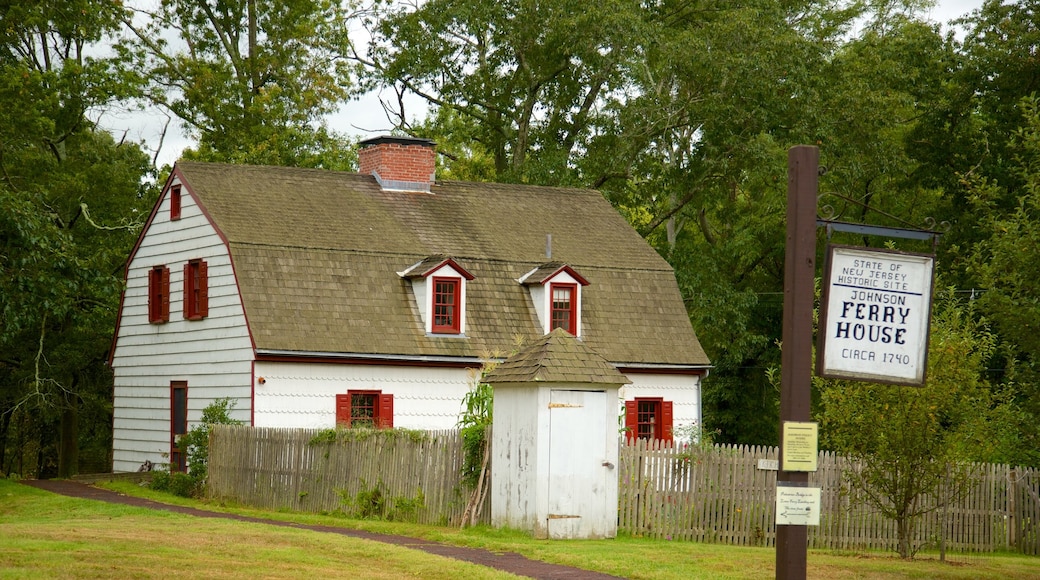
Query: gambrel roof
x=317, y=255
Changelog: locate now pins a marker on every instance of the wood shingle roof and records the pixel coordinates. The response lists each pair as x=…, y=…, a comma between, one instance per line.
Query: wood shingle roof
x=316, y=255
x=557, y=357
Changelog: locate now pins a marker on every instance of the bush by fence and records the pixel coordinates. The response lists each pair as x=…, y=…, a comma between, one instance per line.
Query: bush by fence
x=719, y=494
x=393, y=474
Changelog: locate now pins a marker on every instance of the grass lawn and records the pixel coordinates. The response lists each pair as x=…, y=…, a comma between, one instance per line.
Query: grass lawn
x=43, y=535
x=48, y=535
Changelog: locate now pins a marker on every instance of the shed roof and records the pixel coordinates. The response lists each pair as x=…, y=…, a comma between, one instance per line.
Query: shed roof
x=557, y=357
x=317, y=255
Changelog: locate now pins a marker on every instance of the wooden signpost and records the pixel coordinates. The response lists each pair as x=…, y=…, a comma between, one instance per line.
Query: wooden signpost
x=874, y=326
x=796, y=354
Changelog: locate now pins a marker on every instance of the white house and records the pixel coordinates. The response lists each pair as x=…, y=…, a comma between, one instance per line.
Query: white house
x=314, y=298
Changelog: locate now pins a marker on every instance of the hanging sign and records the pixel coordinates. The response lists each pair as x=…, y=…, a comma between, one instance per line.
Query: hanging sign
x=874, y=316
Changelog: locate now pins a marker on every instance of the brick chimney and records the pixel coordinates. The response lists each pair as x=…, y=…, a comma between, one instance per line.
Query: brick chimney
x=399, y=163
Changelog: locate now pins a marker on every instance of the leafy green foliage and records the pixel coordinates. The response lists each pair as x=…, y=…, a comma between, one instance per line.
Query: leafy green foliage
x=374, y=503
x=71, y=203
x=474, y=424
x=526, y=78
x=250, y=79
x=330, y=436
x=175, y=483
x=195, y=446
x=1004, y=262
x=914, y=441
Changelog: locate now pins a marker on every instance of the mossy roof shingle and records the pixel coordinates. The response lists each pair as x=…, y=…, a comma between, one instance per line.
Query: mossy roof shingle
x=557, y=357
x=317, y=254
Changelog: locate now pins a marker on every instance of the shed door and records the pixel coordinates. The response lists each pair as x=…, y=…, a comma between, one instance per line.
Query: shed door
x=577, y=476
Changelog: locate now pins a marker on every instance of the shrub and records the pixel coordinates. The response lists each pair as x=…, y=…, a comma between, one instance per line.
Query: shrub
x=195, y=445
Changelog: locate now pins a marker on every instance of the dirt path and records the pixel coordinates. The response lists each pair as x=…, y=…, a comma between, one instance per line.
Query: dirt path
x=507, y=562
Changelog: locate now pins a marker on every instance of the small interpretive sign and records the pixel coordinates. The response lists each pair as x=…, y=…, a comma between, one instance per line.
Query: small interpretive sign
x=799, y=447
x=874, y=316
x=797, y=506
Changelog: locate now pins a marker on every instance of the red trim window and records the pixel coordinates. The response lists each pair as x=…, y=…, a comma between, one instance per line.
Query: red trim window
x=196, y=290
x=178, y=423
x=447, y=305
x=175, y=203
x=159, y=295
x=648, y=418
x=564, y=307
x=365, y=409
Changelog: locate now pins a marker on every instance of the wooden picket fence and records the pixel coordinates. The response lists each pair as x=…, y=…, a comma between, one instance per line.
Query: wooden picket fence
x=404, y=475
x=726, y=494
x=723, y=494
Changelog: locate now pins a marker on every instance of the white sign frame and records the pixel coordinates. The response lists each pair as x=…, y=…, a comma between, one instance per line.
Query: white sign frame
x=797, y=505
x=875, y=315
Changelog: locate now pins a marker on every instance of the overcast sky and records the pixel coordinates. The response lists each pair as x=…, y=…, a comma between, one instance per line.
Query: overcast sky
x=362, y=118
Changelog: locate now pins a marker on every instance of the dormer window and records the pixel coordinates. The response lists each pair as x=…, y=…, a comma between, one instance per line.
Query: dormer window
x=447, y=305
x=439, y=287
x=564, y=308
x=556, y=293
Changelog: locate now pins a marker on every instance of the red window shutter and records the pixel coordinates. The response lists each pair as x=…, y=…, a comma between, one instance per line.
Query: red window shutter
x=631, y=420
x=203, y=305
x=385, y=419
x=175, y=203
x=159, y=294
x=196, y=290
x=154, y=299
x=165, y=289
x=189, y=291
x=666, y=420
x=342, y=410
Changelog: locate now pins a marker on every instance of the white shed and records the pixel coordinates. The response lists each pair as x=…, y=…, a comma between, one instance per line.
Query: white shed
x=555, y=440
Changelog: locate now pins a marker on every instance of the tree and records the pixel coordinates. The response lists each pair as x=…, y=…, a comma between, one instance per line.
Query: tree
x=528, y=77
x=918, y=441
x=968, y=129
x=1005, y=263
x=70, y=197
x=681, y=113
x=251, y=79
x=713, y=200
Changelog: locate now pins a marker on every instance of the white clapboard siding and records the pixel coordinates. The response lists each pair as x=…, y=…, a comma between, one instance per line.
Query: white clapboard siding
x=683, y=390
x=304, y=395
x=213, y=355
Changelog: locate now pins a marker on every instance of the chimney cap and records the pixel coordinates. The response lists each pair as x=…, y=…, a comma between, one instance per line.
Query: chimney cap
x=396, y=141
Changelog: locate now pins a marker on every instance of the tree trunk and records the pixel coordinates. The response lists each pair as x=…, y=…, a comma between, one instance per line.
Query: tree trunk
x=5, y=425
x=903, y=533
x=471, y=514
x=68, y=444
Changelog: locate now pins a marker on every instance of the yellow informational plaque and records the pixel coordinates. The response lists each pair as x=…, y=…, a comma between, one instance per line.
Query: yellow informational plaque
x=799, y=446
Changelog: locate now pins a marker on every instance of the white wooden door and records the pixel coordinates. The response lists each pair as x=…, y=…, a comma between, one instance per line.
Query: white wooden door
x=577, y=474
